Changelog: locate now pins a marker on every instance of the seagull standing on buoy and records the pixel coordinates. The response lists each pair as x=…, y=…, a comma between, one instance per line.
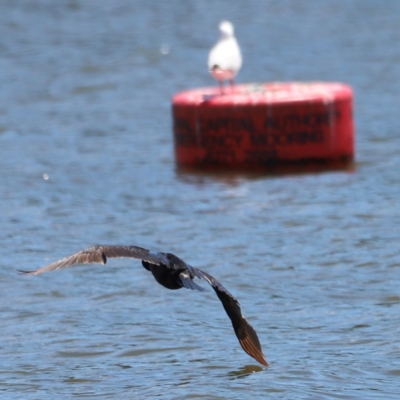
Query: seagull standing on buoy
x=173, y=273
x=225, y=58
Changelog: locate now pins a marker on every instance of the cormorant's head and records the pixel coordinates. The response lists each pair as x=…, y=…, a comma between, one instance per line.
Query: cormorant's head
x=175, y=261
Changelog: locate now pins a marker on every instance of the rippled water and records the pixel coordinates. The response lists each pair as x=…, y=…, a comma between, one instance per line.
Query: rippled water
x=87, y=157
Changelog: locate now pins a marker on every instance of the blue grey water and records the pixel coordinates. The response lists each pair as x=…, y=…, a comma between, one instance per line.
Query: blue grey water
x=87, y=157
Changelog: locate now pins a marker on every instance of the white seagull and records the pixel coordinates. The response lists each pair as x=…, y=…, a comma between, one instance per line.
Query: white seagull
x=225, y=59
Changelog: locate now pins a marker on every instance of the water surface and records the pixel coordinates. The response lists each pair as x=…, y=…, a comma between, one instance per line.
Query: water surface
x=87, y=157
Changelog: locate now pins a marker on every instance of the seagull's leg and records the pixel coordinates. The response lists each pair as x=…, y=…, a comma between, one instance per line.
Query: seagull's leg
x=221, y=87
x=232, y=83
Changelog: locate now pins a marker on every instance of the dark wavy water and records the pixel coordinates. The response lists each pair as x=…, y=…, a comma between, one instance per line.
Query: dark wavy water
x=87, y=157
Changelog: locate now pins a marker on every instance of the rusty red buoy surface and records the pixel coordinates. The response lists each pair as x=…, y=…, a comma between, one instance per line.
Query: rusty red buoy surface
x=265, y=126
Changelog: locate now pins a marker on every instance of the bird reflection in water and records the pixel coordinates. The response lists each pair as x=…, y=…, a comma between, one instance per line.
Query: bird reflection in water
x=244, y=371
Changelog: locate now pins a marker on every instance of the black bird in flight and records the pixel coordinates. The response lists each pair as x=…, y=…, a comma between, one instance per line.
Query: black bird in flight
x=173, y=273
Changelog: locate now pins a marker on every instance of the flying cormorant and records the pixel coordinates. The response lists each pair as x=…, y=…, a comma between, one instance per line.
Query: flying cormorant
x=173, y=273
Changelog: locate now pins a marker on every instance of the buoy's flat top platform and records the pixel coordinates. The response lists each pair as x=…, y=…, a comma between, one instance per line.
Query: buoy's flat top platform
x=266, y=93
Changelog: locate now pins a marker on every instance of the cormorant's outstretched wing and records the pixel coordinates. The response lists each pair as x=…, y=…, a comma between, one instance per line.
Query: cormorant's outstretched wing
x=99, y=254
x=246, y=334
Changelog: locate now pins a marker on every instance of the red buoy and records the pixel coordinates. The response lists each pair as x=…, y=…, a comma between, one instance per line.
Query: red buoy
x=266, y=126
